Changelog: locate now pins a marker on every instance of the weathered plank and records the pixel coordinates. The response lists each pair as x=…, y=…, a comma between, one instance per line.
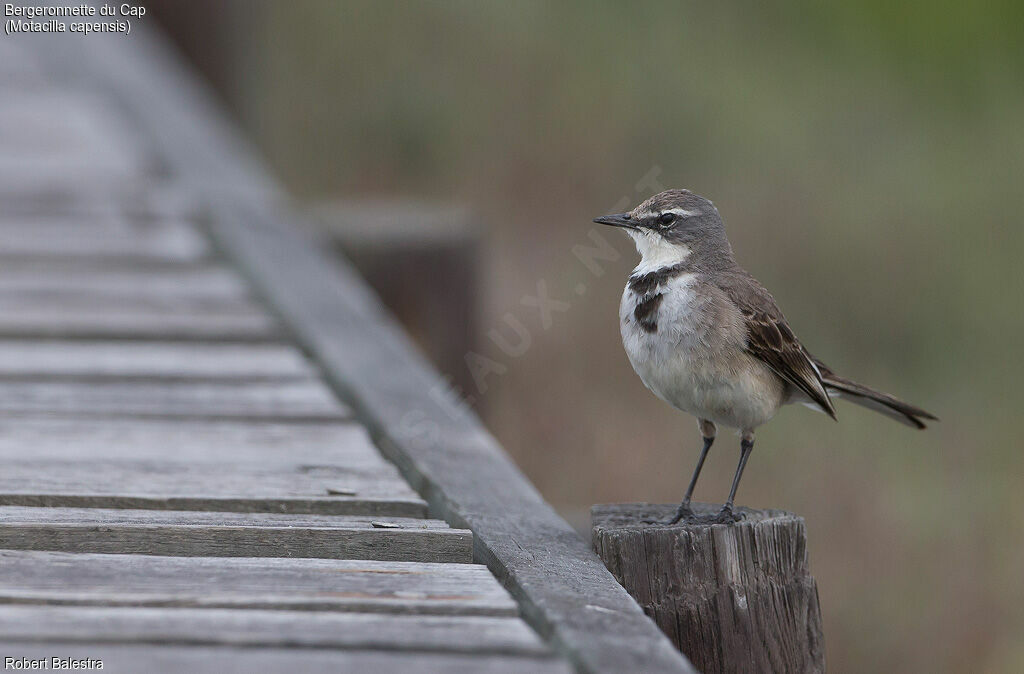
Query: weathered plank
x=84, y=579
x=312, y=445
x=123, y=359
x=17, y=515
x=98, y=316
x=98, y=276
x=100, y=238
x=47, y=133
x=736, y=598
x=131, y=659
x=232, y=486
x=219, y=534
x=261, y=628
x=81, y=195
x=302, y=399
x=238, y=467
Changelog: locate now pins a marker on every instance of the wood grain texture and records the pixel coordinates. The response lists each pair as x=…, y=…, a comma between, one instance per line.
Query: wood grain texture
x=248, y=466
x=116, y=517
x=93, y=196
x=132, y=659
x=160, y=360
x=301, y=399
x=733, y=598
x=49, y=134
x=100, y=239
x=217, y=534
x=93, y=625
x=95, y=316
x=312, y=445
x=231, y=486
x=100, y=277
x=371, y=586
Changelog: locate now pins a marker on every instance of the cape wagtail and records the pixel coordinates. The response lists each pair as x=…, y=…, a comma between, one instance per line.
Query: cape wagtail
x=708, y=339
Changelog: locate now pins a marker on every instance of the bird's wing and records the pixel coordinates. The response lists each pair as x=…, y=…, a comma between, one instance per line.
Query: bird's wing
x=770, y=339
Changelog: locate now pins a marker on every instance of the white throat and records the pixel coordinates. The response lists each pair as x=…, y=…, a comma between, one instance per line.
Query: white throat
x=655, y=252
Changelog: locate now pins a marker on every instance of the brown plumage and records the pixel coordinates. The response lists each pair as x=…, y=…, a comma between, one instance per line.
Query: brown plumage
x=770, y=339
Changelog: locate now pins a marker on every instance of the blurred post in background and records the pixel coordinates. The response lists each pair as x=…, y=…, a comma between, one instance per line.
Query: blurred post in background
x=420, y=257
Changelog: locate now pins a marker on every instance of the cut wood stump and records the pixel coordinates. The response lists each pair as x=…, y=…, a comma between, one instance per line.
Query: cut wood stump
x=736, y=598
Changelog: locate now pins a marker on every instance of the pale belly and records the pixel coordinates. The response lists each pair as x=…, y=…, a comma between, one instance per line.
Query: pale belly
x=698, y=366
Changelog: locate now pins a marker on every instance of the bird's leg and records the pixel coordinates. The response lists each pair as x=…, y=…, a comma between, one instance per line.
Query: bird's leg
x=726, y=514
x=708, y=430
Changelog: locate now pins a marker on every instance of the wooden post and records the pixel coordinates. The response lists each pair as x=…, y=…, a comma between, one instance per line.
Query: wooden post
x=732, y=598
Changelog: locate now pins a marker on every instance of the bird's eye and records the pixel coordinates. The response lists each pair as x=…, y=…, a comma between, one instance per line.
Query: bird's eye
x=667, y=219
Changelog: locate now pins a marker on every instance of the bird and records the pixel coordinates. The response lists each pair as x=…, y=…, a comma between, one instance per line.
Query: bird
x=708, y=339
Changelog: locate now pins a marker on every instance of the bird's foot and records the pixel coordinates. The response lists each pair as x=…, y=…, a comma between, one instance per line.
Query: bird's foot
x=726, y=516
x=684, y=513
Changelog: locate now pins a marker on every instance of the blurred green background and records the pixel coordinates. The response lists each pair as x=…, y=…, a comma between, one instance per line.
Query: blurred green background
x=867, y=159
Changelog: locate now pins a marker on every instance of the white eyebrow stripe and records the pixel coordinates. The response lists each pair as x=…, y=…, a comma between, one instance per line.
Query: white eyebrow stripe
x=678, y=211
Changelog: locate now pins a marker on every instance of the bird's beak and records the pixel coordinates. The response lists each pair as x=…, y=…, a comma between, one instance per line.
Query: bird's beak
x=617, y=220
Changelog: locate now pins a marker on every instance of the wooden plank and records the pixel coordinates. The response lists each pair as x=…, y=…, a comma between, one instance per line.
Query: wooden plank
x=98, y=276
x=302, y=399
x=97, y=316
x=246, y=466
x=100, y=238
x=247, y=627
x=47, y=132
x=217, y=534
x=17, y=515
x=315, y=446
x=130, y=659
x=84, y=579
x=232, y=486
x=168, y=360
x=85, y=195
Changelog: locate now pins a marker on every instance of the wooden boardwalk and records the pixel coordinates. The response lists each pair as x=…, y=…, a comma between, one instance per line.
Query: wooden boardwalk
x=182, y=489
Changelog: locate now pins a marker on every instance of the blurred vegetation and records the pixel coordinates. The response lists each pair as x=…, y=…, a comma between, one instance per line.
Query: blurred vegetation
x=867, y=158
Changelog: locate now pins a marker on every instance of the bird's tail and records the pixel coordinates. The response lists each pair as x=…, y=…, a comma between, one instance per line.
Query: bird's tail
x=891, y=406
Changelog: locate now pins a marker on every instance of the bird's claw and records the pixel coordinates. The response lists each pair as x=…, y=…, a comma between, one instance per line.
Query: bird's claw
x=683, y=512
x=726, y=516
